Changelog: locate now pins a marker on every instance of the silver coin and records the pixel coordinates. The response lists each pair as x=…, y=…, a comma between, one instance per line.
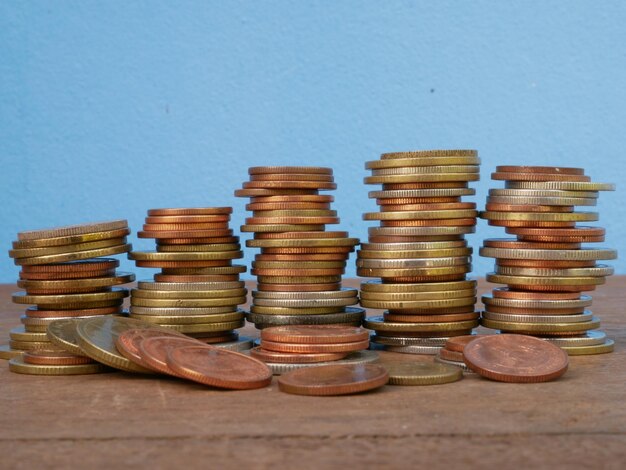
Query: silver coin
x=590, y=338
x=466, y=370
x=408, y=341
x=242, y=344
x=427, y=350
x=574, y=318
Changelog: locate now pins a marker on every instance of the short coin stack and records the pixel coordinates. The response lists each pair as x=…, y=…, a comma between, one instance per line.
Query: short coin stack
x=300, y=266
x=198, y=289
x=419, y=251
x=545, y=268
x=290, y=347
x=64, y=277
x=452, y=352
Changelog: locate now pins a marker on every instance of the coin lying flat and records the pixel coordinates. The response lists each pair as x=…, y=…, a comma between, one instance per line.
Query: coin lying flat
x=71, y=230
x=334, y=379
x=422, y=373
x=515, y=358
x=18, y=365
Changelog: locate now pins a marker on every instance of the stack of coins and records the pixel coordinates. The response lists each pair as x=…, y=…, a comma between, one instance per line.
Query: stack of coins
x=63, y=276
x=300, y=266
x=419, y=251
x=545, y=269
x=452, y=352
x=198, y=289
x=289, y=347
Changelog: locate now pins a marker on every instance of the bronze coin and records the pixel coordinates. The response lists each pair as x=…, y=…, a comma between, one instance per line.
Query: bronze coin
x=450, y=355
x=315, y=198
x=540, y=169
x=272, y=206
x=185, y=226
x=46, y=357
x=128, y=342
x=297, y=272
x=458, y=343
x=291, y=177
x=86, y=266
x=537, y=263
x=429, y=207
x=416, y=239
x=196, y=241
x=432, y=311
x=300, y=235
x=419, y=279
x=303, y=257
x=266, y=355
x=299, y=287
x=400, y=202
x=515, y=358
x=183, y=264
x=506, y=293
x=313, y=347
x=498, y=207
x=186, y=219
x=34, y=312
x=71, y=230
x=64, y=276
x=219, y=368
x=448, y=317
x=254, y=193
x=183, y=211
x=512, y=243
x=429, y=223
x=153, y=350
x=314, y=334
x=336, y=379
x=216, y=233
x=530, y=223
x=550, y=238
x=196, y=278
x=308, y=250
x=527, y=176
x=534, y=311
x=425, y=185
x=565, y=232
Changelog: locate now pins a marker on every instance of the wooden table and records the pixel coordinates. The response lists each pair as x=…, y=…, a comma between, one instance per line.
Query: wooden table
x=117, y=419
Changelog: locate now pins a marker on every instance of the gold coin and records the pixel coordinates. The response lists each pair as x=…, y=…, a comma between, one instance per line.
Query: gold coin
x=425, y=304
x=298, y=264
x=421, y=215
x=29, y=345
x=114, y=294
x=62, y=333
x=301, y=242
x=92, y=282
x=538, y=193
x=422, y=373
x=296, y=213
x=588, y=254
x=194, y=303
x=190, y=286
x=407, y=272
x=406, y=254
x=282, y=228
x=215, y=247
x=306, y=303
x=71, y=230
x=192, y=319
x=378, y=324
x=298, y=280
x=96, y=338
x=378, y=286
x=74, y=256
x=180, y=311
x=541, y=216
x=294, y=311
x=55, y=250
x=583, y=301
x=18, y=366
x=346, y=292
x=542, y=201
x=413, y=170
x=71, y=240
x=420, y=193
x=588, y=338
x=541, y=327
x=562, y=185
x=194, y=256
x=604, y=348
x=204, y=327
x=419, y=231
x=544, y=281
x=421, y=177
x=424, y=161
x=597, y=271
x=234, y=269
x=211, y=294
x=263, y=170
x=529, y=318
x=412, y=296
x=414, y=246
x=20, y=334
x=412, y=263
x=7, y=353
x=425, y=154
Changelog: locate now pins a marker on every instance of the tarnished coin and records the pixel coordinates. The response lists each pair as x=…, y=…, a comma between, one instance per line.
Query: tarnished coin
x=515, y=358
x=422, y=373
x=219, y=368
x=334, y=379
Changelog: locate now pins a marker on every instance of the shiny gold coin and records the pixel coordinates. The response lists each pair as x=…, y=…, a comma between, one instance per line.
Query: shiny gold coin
x=378, y=324
x=410, y=272
x=426, y=154
x=180, y=311
x=55, y=250
x=585, y=316
x=413, y=263
x=297, y=273
x=190, y=286
x=20, y=334
x=193, y=303
x=422, y=373
x=74, y=284
x=428, y=318
x=378, y=286
x=345, y=293
x=73, y=256
x=62, y=333
x=235, y=316
x=407, y=254
x=18, y=366
x=541, y=216
x=548, y=304
x=541, y=327
x=29, y=345
x=234, y=269
x=424, y=161
x=114, y=294
x=283, y=184
x=194, y=256
x=298, y=265
x=71, y=240
x=424, y=304
x=294, y=311
x=215, y=247
x=210, y=294
x=72, y=230
x=428, y=169
x=561, y=185
x=422, y=247
x=306, y=303
x=600, y=270
x=421, y=177
x=204, y=327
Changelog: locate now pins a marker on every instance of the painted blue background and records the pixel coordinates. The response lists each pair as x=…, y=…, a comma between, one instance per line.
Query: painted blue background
x=110, y=108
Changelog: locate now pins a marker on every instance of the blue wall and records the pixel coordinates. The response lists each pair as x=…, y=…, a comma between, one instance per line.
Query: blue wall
x=110, y=108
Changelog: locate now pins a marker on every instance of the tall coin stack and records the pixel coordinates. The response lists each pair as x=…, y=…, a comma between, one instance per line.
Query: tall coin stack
x=419, y=251
x=300, y=266
x=198, y=289
x=545, y=269
x=64, y=276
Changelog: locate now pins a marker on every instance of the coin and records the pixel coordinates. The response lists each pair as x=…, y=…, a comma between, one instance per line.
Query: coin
x=350, y=315
x=604, y=348
x=436, y=342
x=295, y=311
x=187, y=294
x=378, y=286
x=541, y=328
x=419, y=231
x=506, y=293
x=54, y=358
x=346, y=292
x=561, y=185
x=185, y=220
x=419, y=296
x=317, y=334
x=583, y=254
x=333, y=379
x=379, y=325
x=56, y=250
x=149, y=349
x=76, y=255
x=448, y=317
x=7, y=353
x=589, y=338
x=526, y=316
x=458, y=343
x=548, y=202
x=515, y=358
x=180, y=320
x=423, y=161
x=62, y=333
x=71, y=230
x=219, y=368
x=422, y=373
x=541, y=216
x=425, y=169
x=61, y=300
x=34, y=312
x=306, y=303
x=187, y=234
x=298, y=288
x=71, y=240
x=294, y=358
x=549, y=177
x=420, y=193
x=74, y=285
x=260, y=170
x=18, y=365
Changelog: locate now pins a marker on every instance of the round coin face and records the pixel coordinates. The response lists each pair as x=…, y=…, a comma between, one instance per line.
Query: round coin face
x=128, y=342
x=515, y=358
x=219, y=367
x=334, y=379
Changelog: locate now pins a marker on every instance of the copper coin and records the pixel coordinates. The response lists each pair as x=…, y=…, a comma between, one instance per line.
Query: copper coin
x=418, y=279
x=336, y=379
x=515, y=358
x=537, y=263
x=196, y=278
x=314, y=334
x=516, y=244
x=216, y=233
x=431, y=318
x=429, y=222
x=555, y=288
x=270, y=206
x=564, y=232
x=534, y=311
x=293, y=358
x=219, y=368
x=153, y=350
x=300, y=235
x=427, y=185
x=527, y=176
x=185, y=226
x=316, y=170
x=197, y=241
x=46, y=357
x=506, y=293
x=253, y=193
x=190, y=211
x=550, y=238
x=308, y=250
x=86, y=266
x=299, y=287
x=34, y=312
x=401, y=239
x=458, y=343
x=401, y=201
x=497, y=207
x=183, y=264
x=540, y=169
x=449, y=355
x=291, y=177
x=316, y=198
x=291, y=220
x=303, y=257
x=432, y=311
x=530, y=223
x=63, y=276
x=128, y=342
x=313, y=347
x=297, y=272
x=430, y=207
x=186, y=219
x=274, y=185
